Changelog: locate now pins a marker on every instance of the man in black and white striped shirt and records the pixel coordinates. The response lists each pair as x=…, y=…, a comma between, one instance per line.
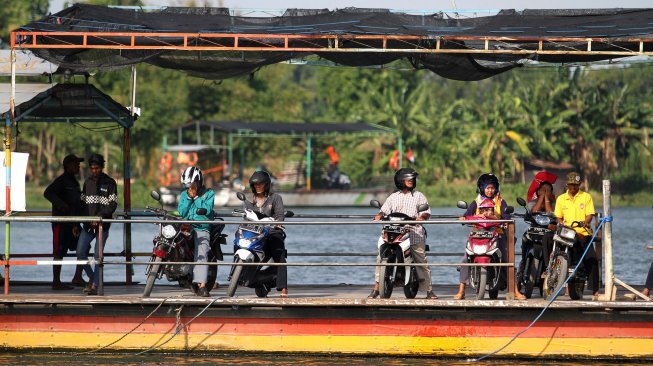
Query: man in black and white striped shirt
x=100, y=198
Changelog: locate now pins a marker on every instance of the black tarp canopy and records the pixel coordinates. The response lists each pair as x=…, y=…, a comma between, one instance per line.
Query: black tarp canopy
x=69, y=103
x=559, y=36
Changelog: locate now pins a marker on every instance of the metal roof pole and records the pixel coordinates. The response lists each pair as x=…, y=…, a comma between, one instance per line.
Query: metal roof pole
x=230, y=147
x=308, y=163
x=610, y=294
x=127, y=200
x=400, y=142
x=9, y=121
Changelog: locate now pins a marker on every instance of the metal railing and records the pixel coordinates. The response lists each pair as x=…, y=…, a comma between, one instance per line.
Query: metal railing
x=99, y=261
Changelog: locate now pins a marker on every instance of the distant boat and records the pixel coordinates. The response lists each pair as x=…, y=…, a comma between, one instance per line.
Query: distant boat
x=226, y=197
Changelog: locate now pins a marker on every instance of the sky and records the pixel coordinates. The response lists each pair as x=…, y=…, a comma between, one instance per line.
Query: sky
x=56, y=5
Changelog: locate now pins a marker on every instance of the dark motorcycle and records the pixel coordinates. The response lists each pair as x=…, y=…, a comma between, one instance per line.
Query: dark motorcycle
x=563, y=257
x=175, y=242
x=533, y=263
x=394, y=247
x=250, y=247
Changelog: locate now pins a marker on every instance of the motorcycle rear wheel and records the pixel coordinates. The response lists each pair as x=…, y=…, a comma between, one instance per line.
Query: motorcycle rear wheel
x=235, y=277
x=556, y=275
x=212, y=276
x=529, y=276
x=576, y=287
x=262, y=291
x=386, y=281
x=152, y=275
x=410, y=290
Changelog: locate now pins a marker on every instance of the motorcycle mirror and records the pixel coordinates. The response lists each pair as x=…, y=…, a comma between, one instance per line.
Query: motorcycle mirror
x=510, y=209
x=201, y=211
x=375, y=203
x=422, y=207
x=240, y=195
x=289, y=214
x=462, y=205
x=155, y=195
x=521, y=201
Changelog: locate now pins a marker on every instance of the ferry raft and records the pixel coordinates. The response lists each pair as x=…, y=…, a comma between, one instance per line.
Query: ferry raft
x=323, y=320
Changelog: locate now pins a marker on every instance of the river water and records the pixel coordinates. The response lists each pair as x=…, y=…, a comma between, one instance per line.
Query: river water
x=631, y=235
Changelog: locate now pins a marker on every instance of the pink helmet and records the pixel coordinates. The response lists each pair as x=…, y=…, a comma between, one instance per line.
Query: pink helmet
x=487, y=203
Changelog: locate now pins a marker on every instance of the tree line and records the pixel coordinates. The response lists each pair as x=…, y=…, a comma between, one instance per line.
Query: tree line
x=596, y=118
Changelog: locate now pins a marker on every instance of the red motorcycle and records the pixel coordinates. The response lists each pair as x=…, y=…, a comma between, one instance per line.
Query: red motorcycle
x=175, y=242
x=482, y=247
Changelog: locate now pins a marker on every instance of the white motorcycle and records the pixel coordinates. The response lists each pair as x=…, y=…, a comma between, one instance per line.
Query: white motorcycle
x=394, y=247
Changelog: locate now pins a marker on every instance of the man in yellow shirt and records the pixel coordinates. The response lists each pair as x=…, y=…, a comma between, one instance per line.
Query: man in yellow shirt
x=576, y=205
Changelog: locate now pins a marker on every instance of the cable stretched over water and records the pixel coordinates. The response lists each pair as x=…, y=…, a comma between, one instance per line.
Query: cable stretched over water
x=580, y=261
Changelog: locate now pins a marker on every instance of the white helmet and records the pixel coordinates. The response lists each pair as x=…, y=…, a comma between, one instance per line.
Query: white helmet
x=190, y=175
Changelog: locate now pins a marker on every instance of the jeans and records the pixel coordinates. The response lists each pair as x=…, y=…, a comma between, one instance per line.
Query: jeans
x=83, y=249
x=201, y=254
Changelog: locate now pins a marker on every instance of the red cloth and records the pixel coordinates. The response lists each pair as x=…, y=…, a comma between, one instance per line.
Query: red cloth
x=410, y=156
x=540, y=177
x=333, y=155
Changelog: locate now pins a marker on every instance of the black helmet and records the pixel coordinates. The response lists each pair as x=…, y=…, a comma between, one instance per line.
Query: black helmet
x=486, y=179
x=190, y=175
x=260, y=177
x=404, y=174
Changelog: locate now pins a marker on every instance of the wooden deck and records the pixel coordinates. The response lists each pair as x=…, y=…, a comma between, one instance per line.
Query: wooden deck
x=300, y=295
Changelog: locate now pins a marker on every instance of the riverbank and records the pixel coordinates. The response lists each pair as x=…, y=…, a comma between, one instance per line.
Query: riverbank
x=439, y=195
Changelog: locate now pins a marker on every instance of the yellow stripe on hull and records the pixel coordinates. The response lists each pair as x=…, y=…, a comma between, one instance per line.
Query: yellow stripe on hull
x=437, y=346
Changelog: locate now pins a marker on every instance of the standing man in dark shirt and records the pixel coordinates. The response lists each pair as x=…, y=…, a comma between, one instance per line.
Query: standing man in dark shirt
x=65, y=195
x=99, y=198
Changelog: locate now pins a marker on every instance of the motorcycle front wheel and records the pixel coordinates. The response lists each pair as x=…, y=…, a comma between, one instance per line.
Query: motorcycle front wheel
x=386, y=280
x=235, y=277
x=410, y=289
x=478, y=276
x=152, y=275
x=556, y=275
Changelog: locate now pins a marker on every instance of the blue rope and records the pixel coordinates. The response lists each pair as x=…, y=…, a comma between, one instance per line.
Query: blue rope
x=580, y=261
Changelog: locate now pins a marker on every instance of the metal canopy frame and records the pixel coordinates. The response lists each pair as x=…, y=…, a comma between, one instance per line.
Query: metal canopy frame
x=347, y=43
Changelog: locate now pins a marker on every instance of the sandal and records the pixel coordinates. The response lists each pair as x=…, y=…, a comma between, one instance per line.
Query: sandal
x=431, y=295
x=373, y=295
x=284, y=293
x=459, y=296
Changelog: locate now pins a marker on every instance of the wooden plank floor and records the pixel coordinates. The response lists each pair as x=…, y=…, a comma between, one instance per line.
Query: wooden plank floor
x=300, y=295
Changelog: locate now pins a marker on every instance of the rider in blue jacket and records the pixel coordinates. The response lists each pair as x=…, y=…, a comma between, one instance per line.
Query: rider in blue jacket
x=194, y=197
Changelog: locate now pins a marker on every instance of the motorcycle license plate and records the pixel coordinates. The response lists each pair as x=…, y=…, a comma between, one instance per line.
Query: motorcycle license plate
x=482, y=234
x=253, y=228
x=537, y=230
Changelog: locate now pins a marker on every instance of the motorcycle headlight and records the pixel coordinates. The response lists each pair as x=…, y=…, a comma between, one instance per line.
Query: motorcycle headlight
x=168, y=231
x=567, y=233
x=542, y=220
x=244, y=242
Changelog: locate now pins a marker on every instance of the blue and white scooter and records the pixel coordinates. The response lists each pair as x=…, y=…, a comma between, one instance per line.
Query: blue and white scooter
x=249, y=247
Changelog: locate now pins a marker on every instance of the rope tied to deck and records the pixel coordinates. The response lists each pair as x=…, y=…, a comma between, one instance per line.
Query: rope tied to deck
x=555, y=296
